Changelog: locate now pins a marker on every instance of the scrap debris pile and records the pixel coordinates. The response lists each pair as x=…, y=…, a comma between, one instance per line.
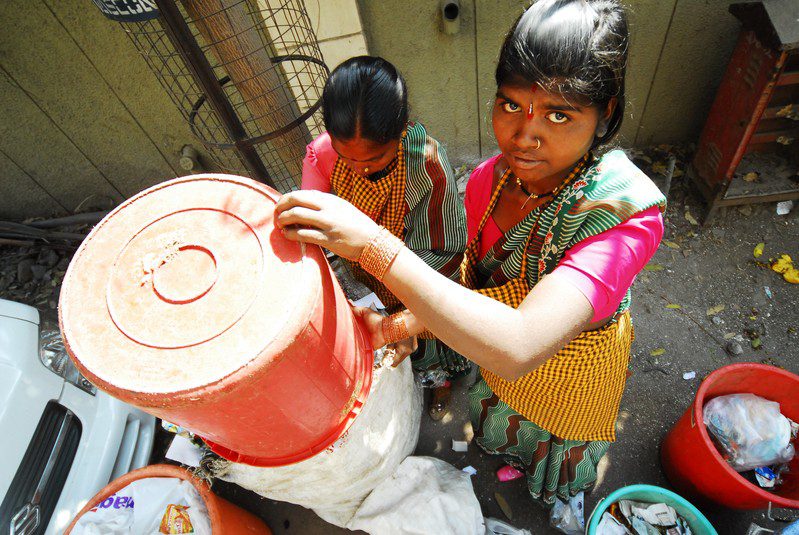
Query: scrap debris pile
x=627, y=517
x=34, y=257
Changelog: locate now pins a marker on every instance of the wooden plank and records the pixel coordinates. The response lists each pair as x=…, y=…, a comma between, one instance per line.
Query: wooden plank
x=773, y=136
x=41, y=57
x=788, y=78
x=22, y=197
x=766, y=197
x=44, y=154
x=244, y=53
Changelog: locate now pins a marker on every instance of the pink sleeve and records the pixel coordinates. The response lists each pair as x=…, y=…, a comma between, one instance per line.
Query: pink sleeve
x=478, y=193
x=604, y=267
x=317, y=166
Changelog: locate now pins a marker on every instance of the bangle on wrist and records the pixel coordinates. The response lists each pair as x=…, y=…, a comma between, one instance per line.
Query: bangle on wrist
x=394, y=328
x=379, y=253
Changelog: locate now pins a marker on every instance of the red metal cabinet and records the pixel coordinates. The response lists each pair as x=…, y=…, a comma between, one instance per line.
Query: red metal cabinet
x=756, y=110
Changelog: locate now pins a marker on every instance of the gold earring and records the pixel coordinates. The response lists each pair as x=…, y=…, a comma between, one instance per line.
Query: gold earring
x=366, y=170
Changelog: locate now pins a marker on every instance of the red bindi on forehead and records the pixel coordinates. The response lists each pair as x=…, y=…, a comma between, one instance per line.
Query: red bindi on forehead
x=529, y=114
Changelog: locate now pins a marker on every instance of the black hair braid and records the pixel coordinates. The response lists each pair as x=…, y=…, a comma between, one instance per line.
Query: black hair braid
x=366, y=97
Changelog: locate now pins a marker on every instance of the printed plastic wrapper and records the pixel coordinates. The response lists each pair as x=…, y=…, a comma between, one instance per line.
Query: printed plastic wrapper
x=569, y=517
x=433, y=378
x=766, y=477
x=148, y=506
x=751, y=430
x=495, y=526
x=178, y=430
x=642, y=518
x=608, y=525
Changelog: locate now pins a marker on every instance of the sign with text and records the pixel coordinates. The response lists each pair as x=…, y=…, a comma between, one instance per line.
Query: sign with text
x=128, y=10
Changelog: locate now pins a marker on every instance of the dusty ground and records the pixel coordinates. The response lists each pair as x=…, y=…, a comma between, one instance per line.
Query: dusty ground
x=701, y=268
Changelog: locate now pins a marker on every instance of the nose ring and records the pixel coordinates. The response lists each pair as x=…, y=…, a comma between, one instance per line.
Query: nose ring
x=539, y=144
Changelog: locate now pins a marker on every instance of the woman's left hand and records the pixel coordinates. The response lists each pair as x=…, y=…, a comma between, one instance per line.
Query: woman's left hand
x=373, y=321
x=403, y=349
x=324, y=219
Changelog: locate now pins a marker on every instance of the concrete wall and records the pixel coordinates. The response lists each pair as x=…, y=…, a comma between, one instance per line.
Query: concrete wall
x=679, y=49
x=83, y=121
x=338, y=28
x=81, y=115
x=440, y=69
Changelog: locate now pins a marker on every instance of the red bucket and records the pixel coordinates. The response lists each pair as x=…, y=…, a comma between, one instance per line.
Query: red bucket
x=694, y=465
x=187, y=302
x=224, y=516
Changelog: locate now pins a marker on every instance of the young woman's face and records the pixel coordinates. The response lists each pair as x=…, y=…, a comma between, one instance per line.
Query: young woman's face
x=543, y=134
x=364, y=156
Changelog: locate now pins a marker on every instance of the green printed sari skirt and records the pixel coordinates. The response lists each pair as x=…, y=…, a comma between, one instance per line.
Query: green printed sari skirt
x=435, y=354
x=554, y=467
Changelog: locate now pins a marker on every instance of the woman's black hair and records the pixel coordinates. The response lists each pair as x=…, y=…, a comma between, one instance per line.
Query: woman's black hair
x=576, y=47
x=365, y=96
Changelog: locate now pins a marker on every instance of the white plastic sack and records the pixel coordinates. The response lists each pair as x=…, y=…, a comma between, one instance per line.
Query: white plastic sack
x=142, y=507
x=333, y=483
x=750, y=429
x=424, y=495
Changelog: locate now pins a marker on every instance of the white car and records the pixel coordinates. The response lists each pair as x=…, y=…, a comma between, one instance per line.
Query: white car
x=61, y=440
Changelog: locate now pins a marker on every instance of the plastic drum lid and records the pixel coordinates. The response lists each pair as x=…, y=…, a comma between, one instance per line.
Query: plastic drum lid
x=183, y=285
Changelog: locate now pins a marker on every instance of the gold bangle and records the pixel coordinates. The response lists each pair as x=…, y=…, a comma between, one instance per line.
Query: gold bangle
x=395, y=328
x=379, y=253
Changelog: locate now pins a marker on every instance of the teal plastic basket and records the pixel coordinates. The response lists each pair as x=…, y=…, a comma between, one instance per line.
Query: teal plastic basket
x=650, y=493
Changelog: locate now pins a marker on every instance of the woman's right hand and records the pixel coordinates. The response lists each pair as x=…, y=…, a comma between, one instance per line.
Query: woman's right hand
x=324, y=219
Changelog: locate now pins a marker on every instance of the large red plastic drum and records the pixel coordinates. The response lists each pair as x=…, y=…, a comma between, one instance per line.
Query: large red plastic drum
x=694, y=465
x=187, y=302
